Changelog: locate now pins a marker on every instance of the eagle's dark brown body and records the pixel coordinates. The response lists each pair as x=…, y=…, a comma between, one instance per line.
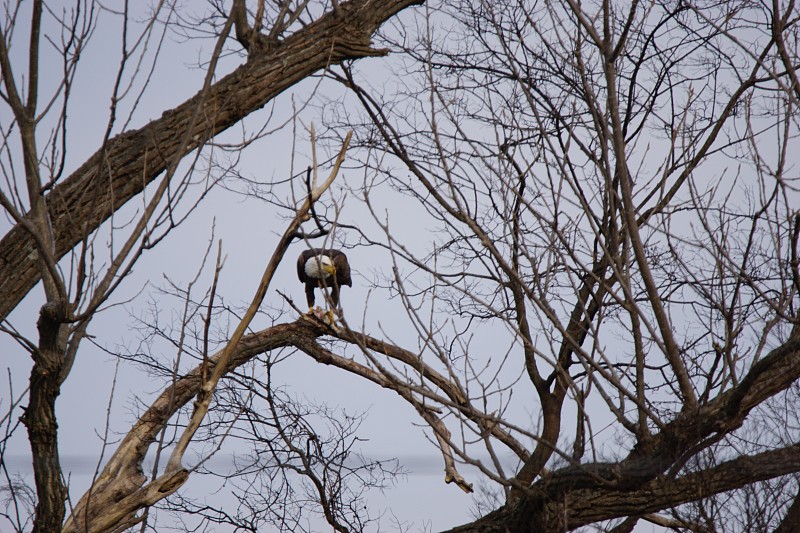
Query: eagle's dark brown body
x=326, y=268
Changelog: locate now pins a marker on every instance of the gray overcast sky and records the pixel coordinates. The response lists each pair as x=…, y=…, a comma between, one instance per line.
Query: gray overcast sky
x=248, y=227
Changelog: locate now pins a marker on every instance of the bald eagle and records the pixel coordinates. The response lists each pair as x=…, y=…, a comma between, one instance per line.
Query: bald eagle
x=320, y=267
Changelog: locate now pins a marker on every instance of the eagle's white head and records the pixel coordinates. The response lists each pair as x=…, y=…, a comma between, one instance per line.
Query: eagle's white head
x=319, y=266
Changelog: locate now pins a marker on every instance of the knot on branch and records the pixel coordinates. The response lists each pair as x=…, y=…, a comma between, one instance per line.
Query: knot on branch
x=255, y=42
x=251, y=40
x=51, y=316
x=355, y=49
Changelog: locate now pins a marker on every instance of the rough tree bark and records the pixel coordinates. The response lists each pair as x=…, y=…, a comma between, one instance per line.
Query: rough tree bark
x=40, y=419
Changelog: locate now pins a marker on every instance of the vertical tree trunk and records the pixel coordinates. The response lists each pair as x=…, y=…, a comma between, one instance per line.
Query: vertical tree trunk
x=40, y=419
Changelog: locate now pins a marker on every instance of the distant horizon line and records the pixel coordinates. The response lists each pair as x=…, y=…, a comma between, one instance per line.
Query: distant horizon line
x=77, y=464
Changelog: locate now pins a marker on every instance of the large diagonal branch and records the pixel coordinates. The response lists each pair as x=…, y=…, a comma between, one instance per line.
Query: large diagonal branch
x=603, y=491
x=131, y=160
x=665, y=493
x=652, y=457
x=584, y=506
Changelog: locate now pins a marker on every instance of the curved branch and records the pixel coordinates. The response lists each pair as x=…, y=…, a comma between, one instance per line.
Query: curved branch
x=583, y=507
x=122, y=477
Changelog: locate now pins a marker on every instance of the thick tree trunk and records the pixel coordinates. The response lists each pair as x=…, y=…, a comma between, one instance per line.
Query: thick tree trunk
x=40, y=420
x=128, y=162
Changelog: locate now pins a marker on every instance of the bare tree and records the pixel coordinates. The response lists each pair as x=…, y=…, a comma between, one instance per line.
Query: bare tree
x=598, y=287
x=611, y=195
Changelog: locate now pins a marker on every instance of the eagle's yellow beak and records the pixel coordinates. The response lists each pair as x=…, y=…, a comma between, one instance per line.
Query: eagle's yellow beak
x=329, y=269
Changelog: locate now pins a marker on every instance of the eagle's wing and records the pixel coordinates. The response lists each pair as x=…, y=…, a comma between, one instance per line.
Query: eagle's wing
x=301, y=265
x=342, y=268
